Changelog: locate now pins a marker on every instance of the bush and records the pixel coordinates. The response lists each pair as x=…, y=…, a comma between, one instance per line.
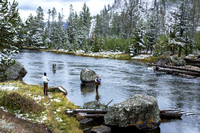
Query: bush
x=14, y=101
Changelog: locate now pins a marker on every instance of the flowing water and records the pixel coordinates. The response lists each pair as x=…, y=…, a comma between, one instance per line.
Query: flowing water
x=120, y=79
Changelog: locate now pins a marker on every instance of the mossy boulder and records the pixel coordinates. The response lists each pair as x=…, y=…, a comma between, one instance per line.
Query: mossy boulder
x=140, y=111
x=87, y=76
x=13, y=72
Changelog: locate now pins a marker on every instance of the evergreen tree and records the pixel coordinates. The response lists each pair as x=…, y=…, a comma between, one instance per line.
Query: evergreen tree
x=47, y=31
x=71, y=27
x=183, y=28
x=29, y=31
x=37, y=37
x=130, y=17
x=139, y=35
x=115, y=25
x=34, y=27
x=10, y=26
x=84, y=25
x=153, y=27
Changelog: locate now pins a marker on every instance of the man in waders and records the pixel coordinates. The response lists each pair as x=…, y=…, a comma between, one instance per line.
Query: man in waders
x=45, y=82
x=97, y=81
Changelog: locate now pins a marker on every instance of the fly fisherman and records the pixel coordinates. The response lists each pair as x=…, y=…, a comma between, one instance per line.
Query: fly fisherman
x=45, y=82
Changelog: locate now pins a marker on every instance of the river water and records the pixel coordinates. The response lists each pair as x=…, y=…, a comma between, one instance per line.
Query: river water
x=120, y=80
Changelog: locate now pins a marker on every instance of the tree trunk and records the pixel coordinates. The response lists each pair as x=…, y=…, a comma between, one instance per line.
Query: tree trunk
x=191, y=49
x=179, y=50
x=186, y=50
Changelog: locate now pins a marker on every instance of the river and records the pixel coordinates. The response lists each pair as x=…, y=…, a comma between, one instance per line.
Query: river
x=120, y=80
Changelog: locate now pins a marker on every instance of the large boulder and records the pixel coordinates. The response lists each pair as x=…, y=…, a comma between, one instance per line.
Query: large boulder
x=177, y=61
x=58, y=89
x=140, y=111
x=87, y=76
x=13, y=72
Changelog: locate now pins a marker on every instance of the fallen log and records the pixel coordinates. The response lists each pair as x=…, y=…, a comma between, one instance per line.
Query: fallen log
x=180, y=71
x=193, y=62
x=91, y=115
x=170, y=114
x=100, y=113
x=88, y=111
x=176, y=72
x=176, y=67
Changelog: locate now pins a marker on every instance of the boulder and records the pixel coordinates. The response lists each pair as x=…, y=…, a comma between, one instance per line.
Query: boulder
x=177, y=61
x=13, y=72
x=94, y=105
x=100, y=129
x=57, y=89
x=140, y=111
x=87, y=76
x=172, y=60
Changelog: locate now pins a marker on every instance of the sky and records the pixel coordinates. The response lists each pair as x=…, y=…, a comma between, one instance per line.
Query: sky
x=27, y=7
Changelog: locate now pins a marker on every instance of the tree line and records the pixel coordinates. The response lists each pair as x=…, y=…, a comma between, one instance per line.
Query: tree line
x=129, y=26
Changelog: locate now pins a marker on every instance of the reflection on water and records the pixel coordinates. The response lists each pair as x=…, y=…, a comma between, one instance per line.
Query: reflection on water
x=119, y=80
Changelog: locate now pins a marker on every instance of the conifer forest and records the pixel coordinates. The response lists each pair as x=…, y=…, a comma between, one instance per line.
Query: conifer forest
x=130, y=26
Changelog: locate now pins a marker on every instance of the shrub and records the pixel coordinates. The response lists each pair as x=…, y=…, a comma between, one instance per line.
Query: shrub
x=14, y=101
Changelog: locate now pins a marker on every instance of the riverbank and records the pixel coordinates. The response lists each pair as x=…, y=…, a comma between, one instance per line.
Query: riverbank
x=104, y=54
x=25, y=108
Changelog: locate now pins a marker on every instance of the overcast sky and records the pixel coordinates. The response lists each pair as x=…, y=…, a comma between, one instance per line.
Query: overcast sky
x=27, y=7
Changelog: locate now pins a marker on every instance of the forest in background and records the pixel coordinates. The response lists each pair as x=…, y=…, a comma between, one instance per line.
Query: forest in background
x=129, y=26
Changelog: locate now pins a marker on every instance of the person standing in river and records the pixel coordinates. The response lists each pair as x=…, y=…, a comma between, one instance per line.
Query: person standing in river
x=45, y=82
x=97, y=81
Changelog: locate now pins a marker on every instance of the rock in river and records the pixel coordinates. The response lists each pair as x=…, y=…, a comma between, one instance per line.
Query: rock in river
x=87, y=76
x=140, y=111
x=57, y=89
x=13, y=72
x=101, y=129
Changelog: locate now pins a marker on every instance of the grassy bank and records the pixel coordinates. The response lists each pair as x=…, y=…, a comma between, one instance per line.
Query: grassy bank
x=110, y=55
x=28, y=102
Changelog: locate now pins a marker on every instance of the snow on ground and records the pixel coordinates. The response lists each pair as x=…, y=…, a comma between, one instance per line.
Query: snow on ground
x=8, y=87
x=105, y=54
x=141, y=56
x=55, y=100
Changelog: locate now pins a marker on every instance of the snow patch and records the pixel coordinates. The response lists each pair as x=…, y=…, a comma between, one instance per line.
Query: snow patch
x=55, y=100
x=8, y=87
x=141, y=56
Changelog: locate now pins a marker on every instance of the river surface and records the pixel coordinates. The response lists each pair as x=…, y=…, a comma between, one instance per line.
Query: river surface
x=120, y=79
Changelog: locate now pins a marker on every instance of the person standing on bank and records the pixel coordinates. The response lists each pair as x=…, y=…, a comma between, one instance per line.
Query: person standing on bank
x=45, y=82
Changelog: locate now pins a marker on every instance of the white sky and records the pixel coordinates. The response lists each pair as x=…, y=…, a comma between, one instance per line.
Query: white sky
x=27, y=7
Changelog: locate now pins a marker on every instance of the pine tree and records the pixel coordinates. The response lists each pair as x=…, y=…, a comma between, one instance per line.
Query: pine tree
x=71, y=27
x=34, y=29
x=10, y=25
x=115, y=25
x=183, y=27
x=37, y=37
x=139, y=35
x=84, y=26
x=47, y=31
x=29, y=31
